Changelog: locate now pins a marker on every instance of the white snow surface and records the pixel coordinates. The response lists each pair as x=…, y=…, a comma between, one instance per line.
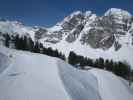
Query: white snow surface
x=29, y=76
x=15, y=27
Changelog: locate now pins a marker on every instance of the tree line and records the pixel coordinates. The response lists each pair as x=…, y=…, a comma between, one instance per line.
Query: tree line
x=27, y=44
x=119, y=68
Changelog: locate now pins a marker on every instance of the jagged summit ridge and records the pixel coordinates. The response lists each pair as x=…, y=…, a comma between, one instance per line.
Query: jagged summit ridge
x=118, y=12
x=97, y=31
x=86, y=27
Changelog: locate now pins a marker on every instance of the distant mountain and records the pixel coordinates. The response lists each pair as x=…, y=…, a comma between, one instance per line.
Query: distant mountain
x=109, y=36
x=15, y=27
x=114, y=28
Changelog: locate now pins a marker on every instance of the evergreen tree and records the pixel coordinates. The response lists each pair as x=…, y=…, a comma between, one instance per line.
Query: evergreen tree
x=122, y=69
x=101, y=63
x=17, y=42
x=111, y=65
x=36, y=48
x=30, y=45
x=7, y=40
x=72, y=59
x=25, y=43
x=89, y=62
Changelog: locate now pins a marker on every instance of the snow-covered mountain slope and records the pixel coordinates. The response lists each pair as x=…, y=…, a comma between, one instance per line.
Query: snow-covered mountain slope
x=29, y=76
x=109, y=36
x=99, y=32
x=124, y=54
x=15, y=27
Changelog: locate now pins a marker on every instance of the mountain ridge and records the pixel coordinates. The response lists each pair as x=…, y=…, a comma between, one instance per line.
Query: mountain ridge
x=108, y=36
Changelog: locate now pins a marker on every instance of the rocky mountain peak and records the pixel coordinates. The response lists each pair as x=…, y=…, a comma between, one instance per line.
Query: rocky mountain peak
x=76, y=13
x=116, y=12
x=97, y=31
x=87, y=13
x=101, y=32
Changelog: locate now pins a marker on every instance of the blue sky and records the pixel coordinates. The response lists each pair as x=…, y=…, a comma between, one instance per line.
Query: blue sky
x=49, y=12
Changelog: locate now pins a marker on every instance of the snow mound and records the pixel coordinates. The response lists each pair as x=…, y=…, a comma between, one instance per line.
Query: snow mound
x=38, y=77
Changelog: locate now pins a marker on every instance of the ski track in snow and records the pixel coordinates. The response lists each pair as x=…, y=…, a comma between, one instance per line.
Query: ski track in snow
x=76, y=84
x=29, y=76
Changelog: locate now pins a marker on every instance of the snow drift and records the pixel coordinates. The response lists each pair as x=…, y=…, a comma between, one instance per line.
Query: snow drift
x=29, y=76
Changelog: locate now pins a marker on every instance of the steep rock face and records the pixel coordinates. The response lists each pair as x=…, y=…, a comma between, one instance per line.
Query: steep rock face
x=69, y=29
x=47, y=36
x=97, y=38
x=108, y=29
x=75, y=33
x=100, y=35
x=72, y=21
x=114, y=28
